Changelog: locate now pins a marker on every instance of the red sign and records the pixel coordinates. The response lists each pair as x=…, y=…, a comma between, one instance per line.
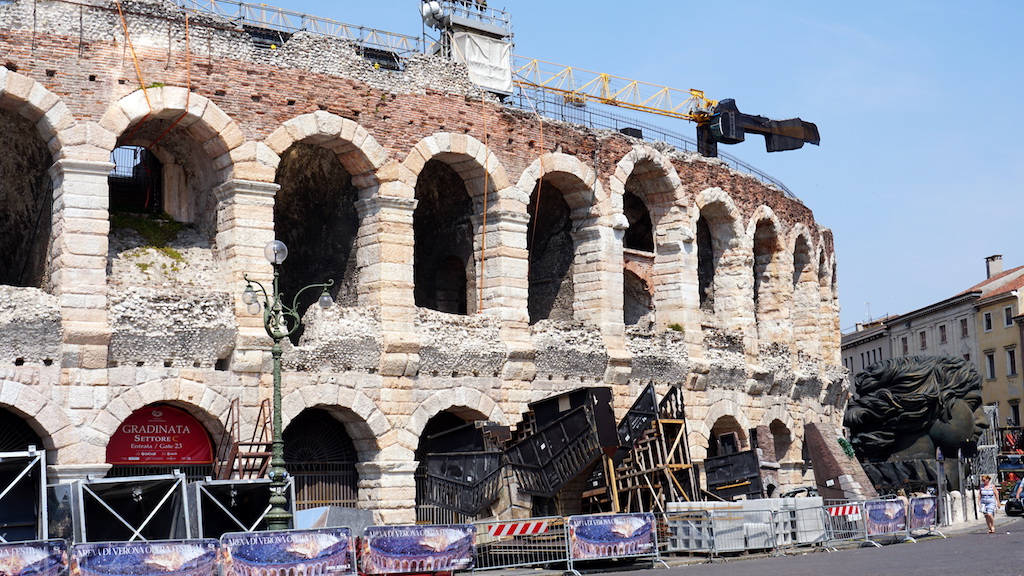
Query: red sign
x=160, y=435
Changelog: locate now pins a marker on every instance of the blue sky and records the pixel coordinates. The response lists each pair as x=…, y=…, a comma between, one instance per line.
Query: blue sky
x=920, y=105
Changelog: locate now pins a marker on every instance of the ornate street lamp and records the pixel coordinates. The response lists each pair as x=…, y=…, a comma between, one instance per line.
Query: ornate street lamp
x=280, y=321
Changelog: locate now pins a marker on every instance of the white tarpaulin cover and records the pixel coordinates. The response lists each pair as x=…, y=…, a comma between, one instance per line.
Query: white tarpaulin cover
x=489, y=60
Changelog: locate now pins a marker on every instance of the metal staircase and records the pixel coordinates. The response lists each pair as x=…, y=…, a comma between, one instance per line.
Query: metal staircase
x=249, y=459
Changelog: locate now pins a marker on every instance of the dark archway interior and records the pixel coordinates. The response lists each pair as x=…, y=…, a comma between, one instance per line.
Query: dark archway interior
x=26, y=198
x=640, y=234
x=15, y=433
x=726, y=437
x=801, y=259
x=442, y=225
x=315, y=216
x=321, y=458
x=705, y=265
x=549, y=237
x=441, y=422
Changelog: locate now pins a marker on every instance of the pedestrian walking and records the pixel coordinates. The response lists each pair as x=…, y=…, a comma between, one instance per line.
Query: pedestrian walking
x=988, y=496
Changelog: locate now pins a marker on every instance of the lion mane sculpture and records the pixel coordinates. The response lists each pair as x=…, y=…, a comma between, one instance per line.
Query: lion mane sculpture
x=906, y=408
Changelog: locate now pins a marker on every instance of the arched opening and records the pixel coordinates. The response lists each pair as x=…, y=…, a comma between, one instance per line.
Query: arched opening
x=637, y=301
x=159, y=439
x=321, y=458
x=781, y=438
x=440, y=423
x=805, y=298
x=551, y=247
x=443, y=228
x=727, y=437
x=766, y=248
x=26, y=200
x=705, y=265
x=315, y=216
x=167, y=301
x=16, y=435
x=640, y=234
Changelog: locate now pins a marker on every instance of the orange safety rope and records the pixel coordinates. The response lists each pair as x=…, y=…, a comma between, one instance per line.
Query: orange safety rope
x=138, y=69
x=188, y=84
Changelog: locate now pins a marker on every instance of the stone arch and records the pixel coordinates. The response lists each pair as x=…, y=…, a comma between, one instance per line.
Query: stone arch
x=450, y=226
x=45, y=416
x=775, y=417
x=724, y=409
x=577, y=181
x=561, y=196
x=357, y=150
x=35, y=126
x=645, y=208
x=770, y=291
x=46, y=110
x=660, y=181
x=471, y=160
x=806, y=298
x=463, y=398
x=723, y=260
x=215, y=132
x=365, y=423
x=210, y=409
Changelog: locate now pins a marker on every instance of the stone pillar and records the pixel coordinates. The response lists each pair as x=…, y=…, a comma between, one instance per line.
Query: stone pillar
x=598, y=270
x=79, y=270
x=388, y=489
x=385, y=249
x=245, y=224
x=504, y=266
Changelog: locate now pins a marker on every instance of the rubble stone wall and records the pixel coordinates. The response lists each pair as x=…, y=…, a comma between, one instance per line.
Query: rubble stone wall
x=114, y=324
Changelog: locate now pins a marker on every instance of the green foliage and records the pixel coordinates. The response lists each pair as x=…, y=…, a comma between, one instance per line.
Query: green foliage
x=676, y=327
x=847, y=447
x=156, y=231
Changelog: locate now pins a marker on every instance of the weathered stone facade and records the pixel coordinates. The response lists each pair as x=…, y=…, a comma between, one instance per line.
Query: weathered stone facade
x=739, y=289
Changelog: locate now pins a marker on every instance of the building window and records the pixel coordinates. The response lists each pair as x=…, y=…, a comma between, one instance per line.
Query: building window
x=942, y=333
x=967, y=357
x=1011, y=362
x=990, y=365
x=1015, y=414
x=964, y=333
x=1008, y=316
x=924, y=340
x=986, y=321
x=904, y=345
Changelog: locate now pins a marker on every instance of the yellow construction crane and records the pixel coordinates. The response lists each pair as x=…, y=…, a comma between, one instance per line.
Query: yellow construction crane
x=717, y=121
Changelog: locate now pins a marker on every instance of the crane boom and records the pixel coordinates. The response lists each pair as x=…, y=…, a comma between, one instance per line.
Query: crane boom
x=717, y=122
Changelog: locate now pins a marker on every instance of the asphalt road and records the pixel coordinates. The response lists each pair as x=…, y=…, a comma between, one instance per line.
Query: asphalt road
x=965, y=554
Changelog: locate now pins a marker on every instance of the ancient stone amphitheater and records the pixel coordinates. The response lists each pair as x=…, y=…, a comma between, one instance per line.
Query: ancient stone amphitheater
x=483, y=257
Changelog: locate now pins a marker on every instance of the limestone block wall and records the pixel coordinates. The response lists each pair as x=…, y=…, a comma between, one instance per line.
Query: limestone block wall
x=107, y=324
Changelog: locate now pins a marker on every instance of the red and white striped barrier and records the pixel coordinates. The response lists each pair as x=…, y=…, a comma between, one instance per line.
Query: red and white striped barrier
x=847, y=510
x=517, y=528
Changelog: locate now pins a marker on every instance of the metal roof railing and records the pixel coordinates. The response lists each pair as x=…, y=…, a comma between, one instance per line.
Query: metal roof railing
x=281, y=20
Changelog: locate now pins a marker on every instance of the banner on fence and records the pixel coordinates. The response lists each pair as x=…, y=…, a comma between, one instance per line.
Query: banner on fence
x=163, y=558
x=884, y=517
x=922, y=512
x=398, y=549
x=611, y=536
x=36, y=558
x=323, y=552
x=851, y=511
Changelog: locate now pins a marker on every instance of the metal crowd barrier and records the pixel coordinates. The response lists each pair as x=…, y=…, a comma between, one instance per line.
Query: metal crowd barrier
x=844, y=523
x=521, y=543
